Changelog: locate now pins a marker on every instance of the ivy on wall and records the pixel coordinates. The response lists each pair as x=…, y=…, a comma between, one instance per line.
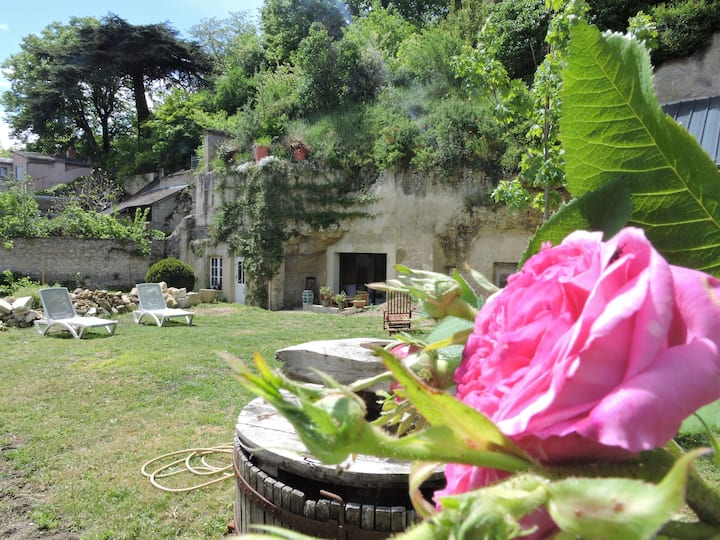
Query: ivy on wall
x=263, y=206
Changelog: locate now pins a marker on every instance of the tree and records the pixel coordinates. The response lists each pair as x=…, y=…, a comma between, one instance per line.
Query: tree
x=519, y=35
x=144, y=54
x=286, y=23
x=173, y=132
x=415, y=11
x=57, y=97
x=237, y=53
x=73, y=84
x=231, y=42
x=95, y=192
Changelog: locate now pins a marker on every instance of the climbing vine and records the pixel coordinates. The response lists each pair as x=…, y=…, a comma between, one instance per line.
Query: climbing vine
x=264, y=205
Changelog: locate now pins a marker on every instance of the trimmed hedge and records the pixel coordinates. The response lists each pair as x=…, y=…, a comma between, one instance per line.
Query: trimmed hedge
x=173, y=272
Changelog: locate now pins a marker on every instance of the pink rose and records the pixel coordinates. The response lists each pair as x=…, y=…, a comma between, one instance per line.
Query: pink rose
x=594, y=350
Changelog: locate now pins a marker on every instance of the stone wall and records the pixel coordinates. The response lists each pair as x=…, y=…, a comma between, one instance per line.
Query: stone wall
x=97, y=264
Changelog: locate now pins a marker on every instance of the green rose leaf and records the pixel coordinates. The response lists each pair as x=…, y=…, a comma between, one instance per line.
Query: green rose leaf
x=619, y=507
x=456, y=427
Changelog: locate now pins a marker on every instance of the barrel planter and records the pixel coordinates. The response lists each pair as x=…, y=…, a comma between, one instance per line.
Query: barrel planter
x=279, y=483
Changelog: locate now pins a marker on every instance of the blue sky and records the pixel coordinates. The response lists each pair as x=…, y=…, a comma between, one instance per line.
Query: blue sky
x=19, y=18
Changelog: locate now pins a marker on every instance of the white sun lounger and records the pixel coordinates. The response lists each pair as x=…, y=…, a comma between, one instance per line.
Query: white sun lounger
x=152, y=304
x=60, y=314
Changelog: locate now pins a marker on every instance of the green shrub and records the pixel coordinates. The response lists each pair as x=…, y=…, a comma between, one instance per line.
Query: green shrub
x=17, y=285
x=684, y=27
x=173, y=272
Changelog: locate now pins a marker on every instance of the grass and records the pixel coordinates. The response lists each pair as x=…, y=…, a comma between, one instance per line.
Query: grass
x=78, y=418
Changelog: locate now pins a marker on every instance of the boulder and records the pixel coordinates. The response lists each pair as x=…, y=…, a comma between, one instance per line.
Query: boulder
x=22, y=304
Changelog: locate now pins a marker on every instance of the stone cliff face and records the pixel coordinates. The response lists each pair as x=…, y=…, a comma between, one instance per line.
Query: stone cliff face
x=415, y=220
x=692, y=77
x=420, y=222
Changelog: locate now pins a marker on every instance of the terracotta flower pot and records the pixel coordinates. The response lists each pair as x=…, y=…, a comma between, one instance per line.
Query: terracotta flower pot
x=300, y=153
x=260, y=151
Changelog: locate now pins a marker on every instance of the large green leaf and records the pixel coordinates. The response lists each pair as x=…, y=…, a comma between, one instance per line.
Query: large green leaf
x=606, y=209
x=613, y=129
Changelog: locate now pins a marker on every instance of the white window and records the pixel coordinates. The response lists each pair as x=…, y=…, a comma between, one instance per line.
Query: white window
x=216, y=272
x=3, y=171
x=240, y=271
x=19, y=173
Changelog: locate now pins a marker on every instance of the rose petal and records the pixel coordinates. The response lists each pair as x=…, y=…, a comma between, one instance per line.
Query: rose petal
x=646, y=411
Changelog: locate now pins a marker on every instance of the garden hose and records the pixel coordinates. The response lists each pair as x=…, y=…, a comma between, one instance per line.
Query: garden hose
x=185, y=465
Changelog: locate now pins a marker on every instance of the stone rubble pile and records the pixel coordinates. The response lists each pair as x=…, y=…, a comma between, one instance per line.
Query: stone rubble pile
x=18, y=312
x=101, y=303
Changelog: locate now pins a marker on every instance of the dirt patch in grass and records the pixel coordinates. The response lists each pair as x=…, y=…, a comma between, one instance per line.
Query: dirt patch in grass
x=214, y=311
x=18, y=498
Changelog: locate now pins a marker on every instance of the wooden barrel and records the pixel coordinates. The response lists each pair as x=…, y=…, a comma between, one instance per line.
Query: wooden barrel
x=279, y=483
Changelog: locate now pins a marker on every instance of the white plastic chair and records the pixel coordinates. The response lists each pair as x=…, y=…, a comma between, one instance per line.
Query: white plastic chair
x=60, y=313
x=152, y=304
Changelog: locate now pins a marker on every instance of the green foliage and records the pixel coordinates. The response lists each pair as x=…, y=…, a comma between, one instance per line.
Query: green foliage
x=276, y=102
x=614, y=14
x=519, y=30
x=234, y=42
x=52, y=90
x=381, y=28
x=458, y=133
x=19, y=213
x=173, y=134
x=415, y=11
x=20, y=218
x=324, y=69
x=396, y=129
x=616, y=134
x=69, y=86
x=343, y=140
x=233, y=90
x=426, y=56
x=173, y=272
x=286, y=23
x=684, y=27
x=74, y=222
x=12, y=283
x=541, y=175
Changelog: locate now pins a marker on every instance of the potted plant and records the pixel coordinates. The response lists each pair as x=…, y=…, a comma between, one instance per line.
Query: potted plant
x=326, y=293
x=300, y=149
x=261, y=148
x=340, y=299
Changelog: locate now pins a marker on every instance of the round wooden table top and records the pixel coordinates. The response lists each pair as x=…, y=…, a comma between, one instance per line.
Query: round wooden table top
x=267, y=436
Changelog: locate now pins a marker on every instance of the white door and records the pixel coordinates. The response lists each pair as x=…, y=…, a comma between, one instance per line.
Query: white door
x=240, y=287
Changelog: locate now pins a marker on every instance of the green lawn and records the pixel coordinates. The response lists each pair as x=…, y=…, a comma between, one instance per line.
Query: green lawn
x=78, y=418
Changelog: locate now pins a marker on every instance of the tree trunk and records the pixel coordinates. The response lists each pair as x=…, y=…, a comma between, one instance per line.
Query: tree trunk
x=141, y=106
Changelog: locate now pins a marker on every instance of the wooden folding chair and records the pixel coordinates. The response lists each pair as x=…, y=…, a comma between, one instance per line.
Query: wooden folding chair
x=397, y=315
